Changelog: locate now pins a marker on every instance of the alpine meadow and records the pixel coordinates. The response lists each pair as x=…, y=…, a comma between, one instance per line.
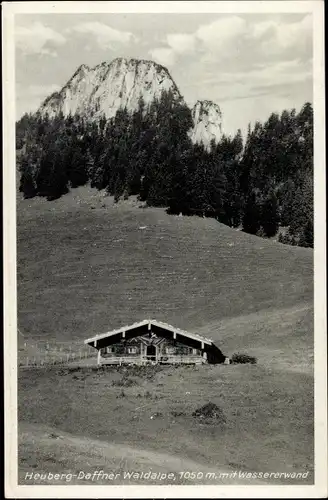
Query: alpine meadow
x=165, y=262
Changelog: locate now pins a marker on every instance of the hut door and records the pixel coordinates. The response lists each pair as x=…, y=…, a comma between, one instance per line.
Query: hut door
x=151, y=352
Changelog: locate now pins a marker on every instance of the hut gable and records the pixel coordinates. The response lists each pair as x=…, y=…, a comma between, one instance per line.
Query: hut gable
x=151, y=341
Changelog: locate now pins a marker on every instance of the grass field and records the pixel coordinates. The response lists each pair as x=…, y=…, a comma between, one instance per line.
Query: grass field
x=86, y=266
x=269, y=417
x=83, y=270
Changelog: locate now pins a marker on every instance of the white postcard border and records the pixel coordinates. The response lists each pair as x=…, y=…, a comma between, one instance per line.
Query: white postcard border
x=13, y=490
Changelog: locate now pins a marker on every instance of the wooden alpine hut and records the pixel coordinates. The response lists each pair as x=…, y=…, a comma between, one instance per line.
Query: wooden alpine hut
x=154, y=342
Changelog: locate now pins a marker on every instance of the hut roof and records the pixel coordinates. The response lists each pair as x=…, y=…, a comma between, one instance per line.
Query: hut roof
x=150, y=322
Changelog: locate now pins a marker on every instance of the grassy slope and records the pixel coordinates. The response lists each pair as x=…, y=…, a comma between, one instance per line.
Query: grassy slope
x=76, y=450
x=279, y=338
x=83, y=270
x=269, y=417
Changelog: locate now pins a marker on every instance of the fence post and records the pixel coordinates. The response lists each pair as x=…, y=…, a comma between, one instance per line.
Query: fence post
x=26, y=360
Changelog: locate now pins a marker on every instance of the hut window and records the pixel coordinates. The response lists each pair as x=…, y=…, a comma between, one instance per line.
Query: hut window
x=195, y=352
x=170, y=350
x=132, y=350
x=109, y=350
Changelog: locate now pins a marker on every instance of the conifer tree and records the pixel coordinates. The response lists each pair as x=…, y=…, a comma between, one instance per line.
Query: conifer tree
x=27, y=182
x=149, y=153
x=251, y=217
x=269, y=215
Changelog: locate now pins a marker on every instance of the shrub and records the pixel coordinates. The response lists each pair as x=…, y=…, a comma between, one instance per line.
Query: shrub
x=210, y=412
x=178, y=413
x=243, y=358
x=287, y=239
x=261, y=233
x=121, y=394
x=124, y=382
x=156, y=415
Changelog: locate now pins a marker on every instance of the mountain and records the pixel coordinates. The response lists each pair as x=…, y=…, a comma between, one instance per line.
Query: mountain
x=207, y=118
x=108, y=87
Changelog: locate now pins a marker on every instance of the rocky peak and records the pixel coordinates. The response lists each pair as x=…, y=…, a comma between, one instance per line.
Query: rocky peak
x=110, y=86
x=207, y=118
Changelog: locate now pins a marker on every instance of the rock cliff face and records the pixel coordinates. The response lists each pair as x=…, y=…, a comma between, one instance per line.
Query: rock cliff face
x=207, y=118
x=104, y=89
x=108, y=87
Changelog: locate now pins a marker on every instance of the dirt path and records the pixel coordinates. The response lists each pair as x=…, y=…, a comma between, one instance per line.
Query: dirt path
x=48, y=450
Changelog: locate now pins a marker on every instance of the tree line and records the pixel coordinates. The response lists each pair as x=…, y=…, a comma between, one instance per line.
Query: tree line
x=262, y=184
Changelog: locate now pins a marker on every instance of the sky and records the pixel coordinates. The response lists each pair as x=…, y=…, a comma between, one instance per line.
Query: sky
x=249, y=64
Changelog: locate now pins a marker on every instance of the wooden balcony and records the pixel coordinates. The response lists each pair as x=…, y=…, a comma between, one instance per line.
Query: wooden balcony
x=144, y=360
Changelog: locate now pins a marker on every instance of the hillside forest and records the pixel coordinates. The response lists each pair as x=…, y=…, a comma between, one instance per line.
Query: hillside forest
x=262, y=183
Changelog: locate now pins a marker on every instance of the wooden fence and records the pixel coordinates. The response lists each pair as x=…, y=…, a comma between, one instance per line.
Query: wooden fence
x=42, y=353
x=142, y=359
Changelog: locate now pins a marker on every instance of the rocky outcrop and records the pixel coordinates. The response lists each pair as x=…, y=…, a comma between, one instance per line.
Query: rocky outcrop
x=104, y=89
x=108, y=87
x=207, y=118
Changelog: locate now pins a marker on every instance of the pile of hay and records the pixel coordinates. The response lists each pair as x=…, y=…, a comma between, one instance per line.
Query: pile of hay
x=210, y=412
